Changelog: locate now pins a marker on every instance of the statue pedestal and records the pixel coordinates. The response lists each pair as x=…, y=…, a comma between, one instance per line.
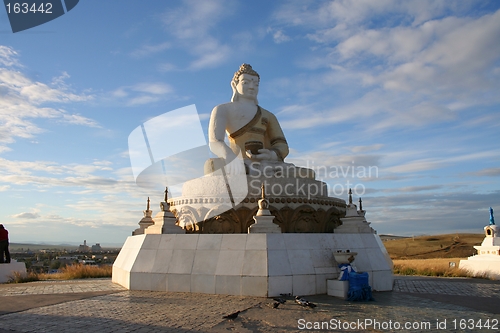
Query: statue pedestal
x=164, y=223
x=7, y=270
x=300, y=205
x=246, y=264
x=264, y=225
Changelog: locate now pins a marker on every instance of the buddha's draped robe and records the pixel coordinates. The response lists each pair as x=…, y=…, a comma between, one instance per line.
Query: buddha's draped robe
x=264, y=127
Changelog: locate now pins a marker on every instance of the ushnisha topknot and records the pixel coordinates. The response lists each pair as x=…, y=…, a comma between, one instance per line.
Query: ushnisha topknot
x=245, y=69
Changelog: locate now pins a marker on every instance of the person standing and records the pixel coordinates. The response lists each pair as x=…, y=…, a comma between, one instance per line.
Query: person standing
x=4, y=245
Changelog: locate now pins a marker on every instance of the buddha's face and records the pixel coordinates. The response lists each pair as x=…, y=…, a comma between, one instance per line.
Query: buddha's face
x=248, y=86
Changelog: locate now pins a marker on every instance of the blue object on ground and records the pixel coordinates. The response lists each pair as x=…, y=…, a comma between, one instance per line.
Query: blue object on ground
x=359, y=288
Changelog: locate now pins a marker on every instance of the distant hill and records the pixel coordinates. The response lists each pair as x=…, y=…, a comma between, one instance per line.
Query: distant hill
x=437, y=246
x=390, y=237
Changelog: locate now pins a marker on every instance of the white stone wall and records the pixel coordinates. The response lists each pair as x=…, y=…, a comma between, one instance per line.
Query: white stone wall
x=246, y=264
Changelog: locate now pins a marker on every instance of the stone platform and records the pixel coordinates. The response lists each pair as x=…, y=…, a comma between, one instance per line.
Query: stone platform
x=82, y=306
x=7, y=270
x=246, y=264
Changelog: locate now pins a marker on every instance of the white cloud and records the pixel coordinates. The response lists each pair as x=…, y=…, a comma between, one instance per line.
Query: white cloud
x=35, y=93
x=432, y=163
x=8, y=57
x=19, y=172
x=94, y=194
x=193, y=19
x=190, y=24
x=418, y=188
x=363, y=149
x=59, y=81
x=26, y=216
x=488, y=172
x=147, y=50
x=210, y=53
x=155, y=88
x=141, y=100
x=470, y=213
x=278, y=35
x=337, y=19
x=143, y=93
x=412, y=63
x=22, y=99
x=76, y=119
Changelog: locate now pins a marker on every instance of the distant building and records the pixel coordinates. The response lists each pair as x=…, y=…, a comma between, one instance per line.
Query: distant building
x=88, y=262
x=67, y=260
x=84, y=247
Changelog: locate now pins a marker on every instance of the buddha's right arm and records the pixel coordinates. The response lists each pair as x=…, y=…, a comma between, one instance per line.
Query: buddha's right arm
x=217, y=133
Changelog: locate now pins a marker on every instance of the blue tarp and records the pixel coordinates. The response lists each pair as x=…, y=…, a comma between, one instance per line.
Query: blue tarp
x=359, y=288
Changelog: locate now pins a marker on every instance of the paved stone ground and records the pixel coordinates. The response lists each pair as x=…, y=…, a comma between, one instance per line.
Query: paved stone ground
x=101, y=306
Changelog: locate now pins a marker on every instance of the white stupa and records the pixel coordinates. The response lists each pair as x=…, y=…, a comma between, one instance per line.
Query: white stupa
x=487, y=260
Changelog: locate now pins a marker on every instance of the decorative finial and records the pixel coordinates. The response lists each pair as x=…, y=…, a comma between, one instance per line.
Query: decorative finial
x=492, y=218
x=148, y=205
x=350, y=196
x=360, y=204
x=166, y=194
x=263, y=203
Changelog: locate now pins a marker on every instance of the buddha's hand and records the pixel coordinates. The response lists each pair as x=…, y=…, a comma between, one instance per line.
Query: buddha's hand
x=236, y=166
x=263, y=155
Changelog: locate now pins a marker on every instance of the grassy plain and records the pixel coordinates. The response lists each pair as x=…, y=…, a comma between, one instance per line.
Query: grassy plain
x=70, y=272
x=437, y=246
x=432, y=255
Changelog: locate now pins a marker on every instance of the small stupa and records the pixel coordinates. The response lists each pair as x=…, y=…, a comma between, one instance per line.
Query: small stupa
x=145, y=222
x=487, y=260
x=263, y=218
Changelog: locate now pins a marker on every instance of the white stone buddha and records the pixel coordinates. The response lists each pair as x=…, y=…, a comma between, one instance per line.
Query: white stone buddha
x=254, y=134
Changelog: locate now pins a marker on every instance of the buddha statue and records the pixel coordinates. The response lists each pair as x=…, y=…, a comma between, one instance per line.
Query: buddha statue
x=252, y=158
x=254, y=134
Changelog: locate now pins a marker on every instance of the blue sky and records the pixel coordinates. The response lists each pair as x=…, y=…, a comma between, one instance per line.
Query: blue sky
x=410, y=89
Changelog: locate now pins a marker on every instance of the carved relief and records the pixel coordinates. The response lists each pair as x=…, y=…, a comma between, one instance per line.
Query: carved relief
x=332, y=219
x=225, y=223
x=303, y=219
x=245, y=215
x=282, y=216
x=187, y=218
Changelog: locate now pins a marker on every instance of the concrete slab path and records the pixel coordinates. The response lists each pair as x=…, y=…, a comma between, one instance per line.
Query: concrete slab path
x=417, y=304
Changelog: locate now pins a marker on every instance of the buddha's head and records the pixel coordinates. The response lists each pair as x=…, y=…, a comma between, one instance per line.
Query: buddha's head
x=245, y=83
